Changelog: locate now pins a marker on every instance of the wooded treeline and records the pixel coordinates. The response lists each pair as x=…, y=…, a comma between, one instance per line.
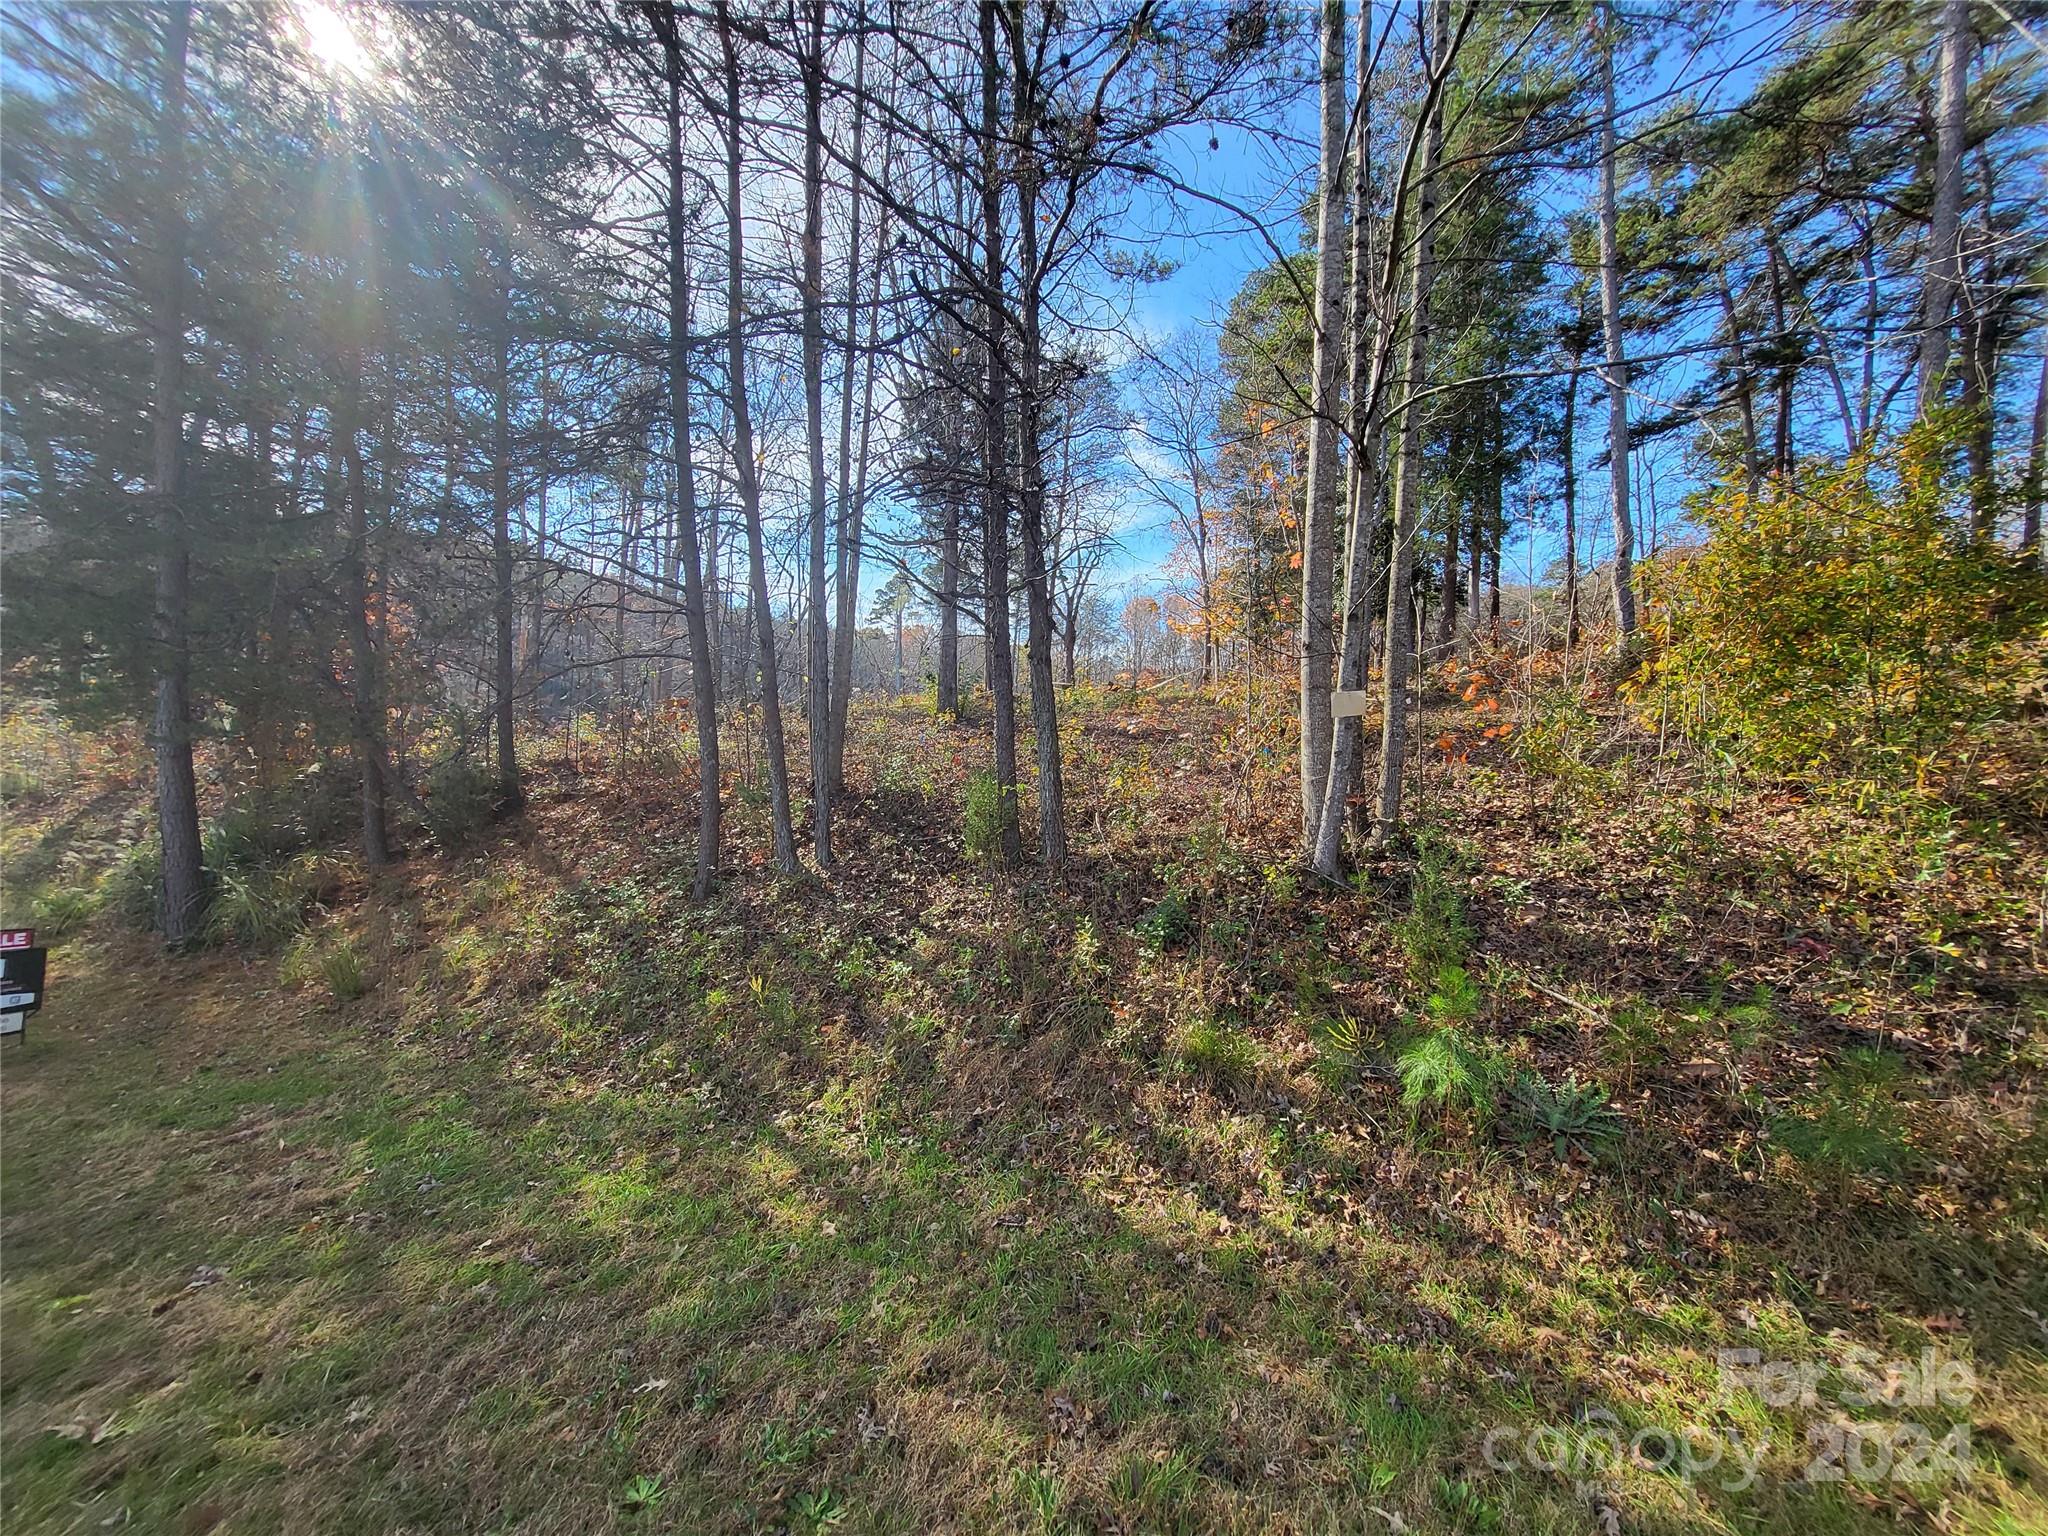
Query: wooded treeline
x=370, y=388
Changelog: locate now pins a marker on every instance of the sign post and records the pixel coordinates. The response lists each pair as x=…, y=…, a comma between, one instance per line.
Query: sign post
x=22, y=963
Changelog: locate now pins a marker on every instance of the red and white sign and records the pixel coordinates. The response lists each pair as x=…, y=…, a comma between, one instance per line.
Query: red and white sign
x=17, y=938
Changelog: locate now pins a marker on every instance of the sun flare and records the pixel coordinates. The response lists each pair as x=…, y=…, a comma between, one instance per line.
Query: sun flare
x=328, y=39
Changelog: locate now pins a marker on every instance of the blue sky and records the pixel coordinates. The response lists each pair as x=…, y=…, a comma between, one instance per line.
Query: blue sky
x=1271, y=174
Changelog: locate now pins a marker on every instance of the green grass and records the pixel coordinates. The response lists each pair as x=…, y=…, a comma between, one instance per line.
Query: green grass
x=759, y=1216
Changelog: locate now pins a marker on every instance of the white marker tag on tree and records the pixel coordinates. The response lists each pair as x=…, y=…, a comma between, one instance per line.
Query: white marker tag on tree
x=1346, y=702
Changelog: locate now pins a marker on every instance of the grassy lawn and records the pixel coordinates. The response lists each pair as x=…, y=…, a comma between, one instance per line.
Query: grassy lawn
x=933, y=1200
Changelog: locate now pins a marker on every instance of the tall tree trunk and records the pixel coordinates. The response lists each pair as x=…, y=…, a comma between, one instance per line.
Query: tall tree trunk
x=510, y=795
x=1370, y=539
x=1364, y=349
x=1745, y=386
x=1475, y=574
x=1569, y=453
x=818, y=695
x=1045, y=718
x=1447, y=585
x=1781, y=332
x=367, y=710
x=177, y=792
x=533, y=647
x=948, y=699
x=852, y=497
x=2037, y=474
x=995, y=498
x=1318, y=539
x=1944, y=228
x=1402, y=625
x=745, y=470
x=1610, y=316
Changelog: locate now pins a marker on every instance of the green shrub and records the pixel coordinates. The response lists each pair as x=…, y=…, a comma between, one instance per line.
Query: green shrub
x=341, y=967
x=263, y=831
x=64, y=910
x=257, y=910
x=327, y=801
x=1838, y=619
x=1434, y=933
x=1167, y=923
x=1571, y=1115
x=991, y=812
x=1445, y=1068
x=462, y=797
x=1852, y=1125
x=1217, y=1052
x=132, y=889
x=334, y=963
x=1456, y=998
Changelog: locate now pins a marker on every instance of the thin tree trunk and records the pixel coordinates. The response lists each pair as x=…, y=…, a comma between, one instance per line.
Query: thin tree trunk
x=948, y=699
x=510, y=796
x=846, y=574
x=177, y=793
x=1447, y=616
x=1403, y=627
x=1745, y=387
x=1781, y=330
x=1045, y=718
x=745, y=470
x=1570, y=454
x=366, y=710
x=995, y=501
x=1318, y=539
x=2037, y=474
x=1617, y=370
x=1370, y=540
x=1944, y=255
x=818, y=693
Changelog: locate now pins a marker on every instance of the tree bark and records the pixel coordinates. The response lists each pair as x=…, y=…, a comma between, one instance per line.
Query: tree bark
x=852, y=497
x=1944, y=229
x=510, y=795
x=177, y=794
x=2037, y=474
x=818, y=693
x=1045, y=719
x=1617, y=369
x=1318, y=538
x=366, y=705
x=995, y=500
x=1403, y=625
x=1745, y=387
x=703, y=675
x=745, y=470
x=1569, y=452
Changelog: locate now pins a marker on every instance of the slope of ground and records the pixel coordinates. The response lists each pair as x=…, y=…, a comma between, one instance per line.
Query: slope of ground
x=930, y=1199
